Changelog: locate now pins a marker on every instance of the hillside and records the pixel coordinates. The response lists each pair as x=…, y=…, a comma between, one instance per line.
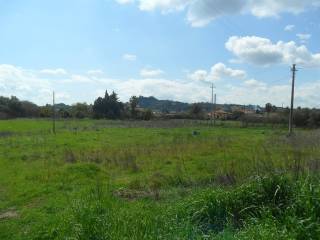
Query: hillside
x=176, y=106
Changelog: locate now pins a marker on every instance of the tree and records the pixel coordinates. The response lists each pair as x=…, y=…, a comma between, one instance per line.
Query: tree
x=301, y=117
x=98, y=107
x=30, y=109
x=108, y=107
x=15, y=107
x=274, y=108
x=133, y=106
x=81, y=110
x=268, y=109
x=64, y=113
x=196, y=110
x=147, y=115
x=314, y=118
x=115, y=106
x=46, y=111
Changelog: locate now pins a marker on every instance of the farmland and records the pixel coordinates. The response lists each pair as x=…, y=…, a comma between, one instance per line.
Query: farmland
x=99, y=179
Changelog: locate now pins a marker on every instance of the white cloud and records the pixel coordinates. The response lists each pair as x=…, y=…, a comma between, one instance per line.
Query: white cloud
x=202, y=12
x=163, y=5
x=129, y=57
x=29, y=85
x=95, y=72
x=257, y=92
x=164, y=89
x=304, y=37
x=24, y=84
x=270, y=8
x=150, y=73
x=289, y=28
x=54, y=72
x=261, y=51
x=76, y=78
x=62, y=97
x=249, y=92
x=125, y=1
x=199, y=75
x=253, y=83
x=308, y=94
x=218, y=72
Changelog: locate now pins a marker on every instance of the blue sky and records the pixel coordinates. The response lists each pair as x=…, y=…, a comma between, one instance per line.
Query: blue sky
x=171, y=49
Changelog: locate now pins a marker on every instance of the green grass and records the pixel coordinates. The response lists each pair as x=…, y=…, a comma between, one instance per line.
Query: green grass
x=156, y=180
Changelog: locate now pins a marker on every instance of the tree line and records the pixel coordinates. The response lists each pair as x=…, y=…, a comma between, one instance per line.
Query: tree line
x=302, y=117
x=110, y=107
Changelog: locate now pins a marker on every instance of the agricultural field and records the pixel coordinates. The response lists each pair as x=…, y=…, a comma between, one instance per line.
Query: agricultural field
x=99, y=179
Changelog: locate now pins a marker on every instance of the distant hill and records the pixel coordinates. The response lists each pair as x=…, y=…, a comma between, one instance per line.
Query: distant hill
x=175, y=106
x=162, y=105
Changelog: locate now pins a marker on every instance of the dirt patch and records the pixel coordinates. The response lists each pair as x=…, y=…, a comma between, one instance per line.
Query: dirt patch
x=9, y=214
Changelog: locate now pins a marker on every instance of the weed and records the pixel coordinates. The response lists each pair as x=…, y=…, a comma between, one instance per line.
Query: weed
x=69, y=156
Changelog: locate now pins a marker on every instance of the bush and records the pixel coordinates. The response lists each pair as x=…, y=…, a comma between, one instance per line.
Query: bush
x=218, y=209
x=307, y=118
x=275, y=207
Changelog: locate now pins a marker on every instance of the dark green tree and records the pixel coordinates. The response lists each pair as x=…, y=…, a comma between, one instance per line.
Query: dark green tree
x=108, y=107
x=147, y=115
x=30, y=109
x=196, y=110
x=268, y=108
x=133, y=106
x=15, y=107
x=81, y=110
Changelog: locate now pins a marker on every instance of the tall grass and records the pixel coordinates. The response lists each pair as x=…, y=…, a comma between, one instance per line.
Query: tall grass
x=102, y=182
x=275, y=206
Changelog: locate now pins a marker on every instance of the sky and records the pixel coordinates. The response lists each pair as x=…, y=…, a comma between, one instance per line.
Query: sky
x=170, y=49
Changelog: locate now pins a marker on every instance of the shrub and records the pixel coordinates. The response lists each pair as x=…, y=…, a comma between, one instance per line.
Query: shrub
x=216, y=210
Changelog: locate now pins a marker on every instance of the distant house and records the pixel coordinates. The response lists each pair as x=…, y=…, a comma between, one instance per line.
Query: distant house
x=220, y=114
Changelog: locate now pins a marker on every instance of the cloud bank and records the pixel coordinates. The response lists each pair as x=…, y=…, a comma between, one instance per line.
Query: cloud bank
x=218, y=72
x=74, y=87
x=202, y=12
x=262, y=51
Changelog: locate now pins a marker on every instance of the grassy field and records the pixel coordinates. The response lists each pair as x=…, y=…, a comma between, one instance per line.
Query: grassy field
x=157, y=180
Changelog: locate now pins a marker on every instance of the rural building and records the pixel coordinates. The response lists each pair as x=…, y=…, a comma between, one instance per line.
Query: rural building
x=220, y=114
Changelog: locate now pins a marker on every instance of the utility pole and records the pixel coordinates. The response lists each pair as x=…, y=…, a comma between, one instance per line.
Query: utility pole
x=215, y=109
x=293, y=70
x=212, y=106
x=53, y=114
